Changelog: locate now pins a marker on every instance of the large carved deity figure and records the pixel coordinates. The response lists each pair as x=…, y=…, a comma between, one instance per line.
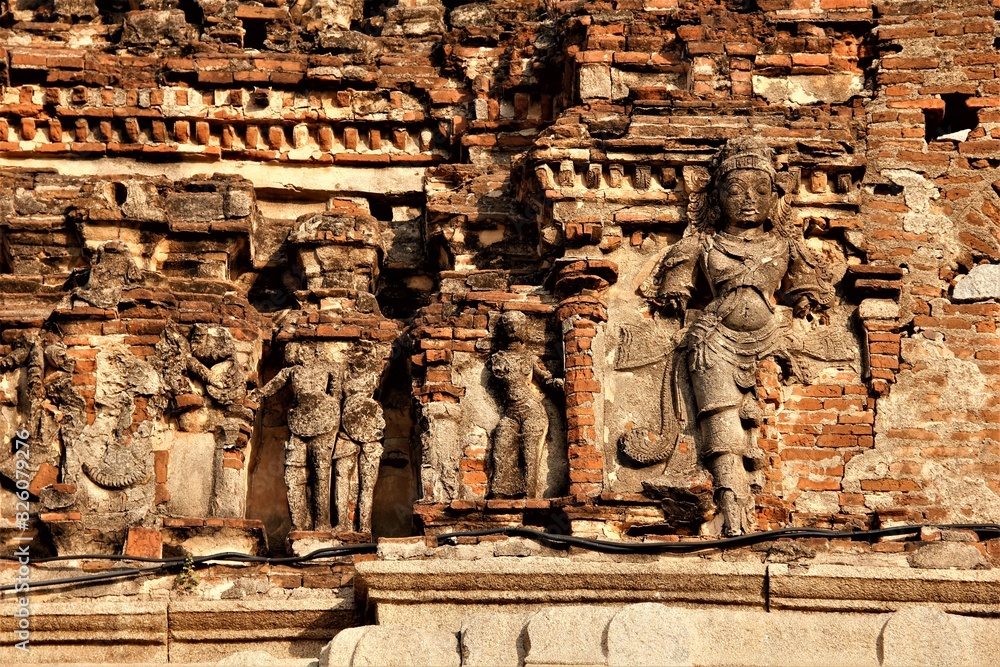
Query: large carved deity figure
x=336, y=429
x=741, y=239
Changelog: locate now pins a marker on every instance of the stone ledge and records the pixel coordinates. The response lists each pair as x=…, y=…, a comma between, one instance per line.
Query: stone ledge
x=514, y=585
x=548, y=580
x=213, y=629
x=90, y=630
x=825, y=587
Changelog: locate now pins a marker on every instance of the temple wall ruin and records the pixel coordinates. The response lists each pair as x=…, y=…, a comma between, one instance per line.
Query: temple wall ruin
x=287, y=275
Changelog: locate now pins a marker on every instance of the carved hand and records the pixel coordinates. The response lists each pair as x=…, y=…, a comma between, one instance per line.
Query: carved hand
x=556, y=383
x=674, y=303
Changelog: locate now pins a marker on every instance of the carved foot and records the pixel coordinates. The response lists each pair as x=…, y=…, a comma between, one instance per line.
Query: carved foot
x=729, y=507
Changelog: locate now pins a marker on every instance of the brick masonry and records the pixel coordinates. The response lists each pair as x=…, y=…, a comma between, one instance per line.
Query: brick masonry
x=545, y=145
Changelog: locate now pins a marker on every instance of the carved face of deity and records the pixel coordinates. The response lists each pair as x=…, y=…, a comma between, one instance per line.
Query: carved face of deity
x=747, y=198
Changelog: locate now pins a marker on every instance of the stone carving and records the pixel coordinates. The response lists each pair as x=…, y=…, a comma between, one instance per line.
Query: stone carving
x=335, y=426
x=210, y=356
x=643, y=177
x=111, y=270
x=210, y=359
x=524, y=422
x=26, y=403
x=741, y=238
x=118, y=456
x=616, y=173
x=50, y=410
x=314, y=421
x=66, y=409
x=363, y=425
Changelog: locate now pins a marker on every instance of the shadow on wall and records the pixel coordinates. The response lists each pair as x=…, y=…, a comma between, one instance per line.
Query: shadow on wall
x=397, y=488
x=267, y=499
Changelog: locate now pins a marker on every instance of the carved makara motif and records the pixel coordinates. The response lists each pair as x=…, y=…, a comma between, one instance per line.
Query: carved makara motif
x=740, y=237
x=524, y=422
x=114, y=454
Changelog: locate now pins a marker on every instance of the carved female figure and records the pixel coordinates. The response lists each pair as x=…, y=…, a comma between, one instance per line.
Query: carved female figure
x=524, y=423
x=741, y=239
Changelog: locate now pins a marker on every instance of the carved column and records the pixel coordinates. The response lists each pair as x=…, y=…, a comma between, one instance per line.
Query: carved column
x=580, y=313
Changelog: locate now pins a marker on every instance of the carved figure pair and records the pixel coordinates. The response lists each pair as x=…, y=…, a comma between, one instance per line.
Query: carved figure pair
x=741, y=239
x=335, y=422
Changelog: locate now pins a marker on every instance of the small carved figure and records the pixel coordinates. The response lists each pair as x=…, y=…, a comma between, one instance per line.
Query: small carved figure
x=67, y=407
x=111, y=270
x=26, y=352
x=524, y=423
x=741, y=238
x=314, y=422
x=363, y=425
x=211, y=358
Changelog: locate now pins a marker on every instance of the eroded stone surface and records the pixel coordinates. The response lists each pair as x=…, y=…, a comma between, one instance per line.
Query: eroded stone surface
x=649, y=634
x=980, y=284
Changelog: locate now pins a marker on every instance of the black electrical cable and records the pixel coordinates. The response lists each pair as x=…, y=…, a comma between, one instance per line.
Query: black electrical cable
x=168, y=564
x=554, y=539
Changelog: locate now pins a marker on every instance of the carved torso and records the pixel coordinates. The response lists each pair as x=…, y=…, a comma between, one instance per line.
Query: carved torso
x=513, y=369
x=744, y=272
x=316, y=412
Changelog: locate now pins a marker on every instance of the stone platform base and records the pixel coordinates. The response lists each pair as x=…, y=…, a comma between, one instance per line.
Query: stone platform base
x=127, y=631
x=613, y=611
x=657, y=635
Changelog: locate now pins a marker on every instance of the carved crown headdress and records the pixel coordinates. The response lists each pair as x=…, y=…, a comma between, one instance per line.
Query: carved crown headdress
x=745, y=153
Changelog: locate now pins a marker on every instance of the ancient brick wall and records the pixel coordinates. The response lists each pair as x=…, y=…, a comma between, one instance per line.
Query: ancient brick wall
x=199, y=197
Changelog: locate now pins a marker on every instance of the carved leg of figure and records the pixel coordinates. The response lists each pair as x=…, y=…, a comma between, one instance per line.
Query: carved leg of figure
x=533, y=430
x=732, y=493
x=371, y=456
x=345, y=466
x=508, y=478
x=297, y=484
x=321, y=462
x=726, y=443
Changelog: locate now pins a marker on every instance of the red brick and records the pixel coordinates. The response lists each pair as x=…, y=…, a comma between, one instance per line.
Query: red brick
x=144, y=543
x=898, y=62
